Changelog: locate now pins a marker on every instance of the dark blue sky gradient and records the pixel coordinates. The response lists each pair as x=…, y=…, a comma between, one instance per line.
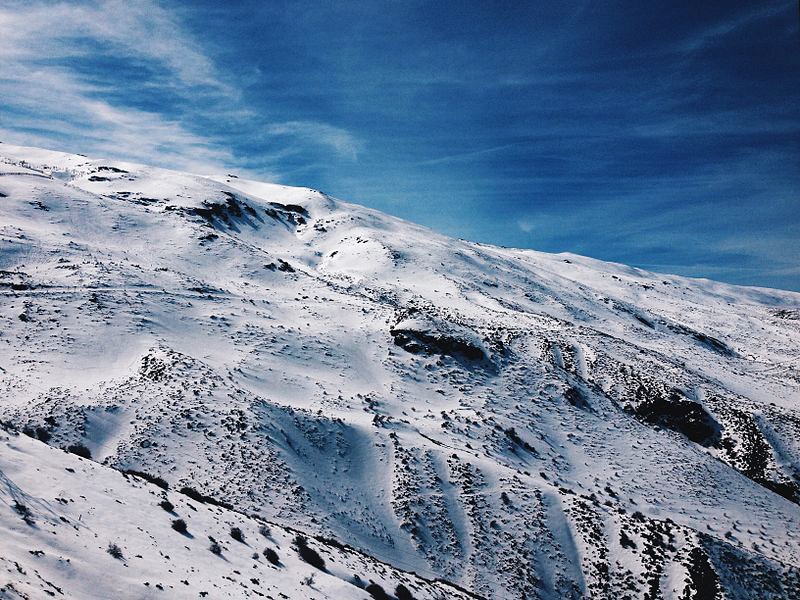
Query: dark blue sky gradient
x=663, y=135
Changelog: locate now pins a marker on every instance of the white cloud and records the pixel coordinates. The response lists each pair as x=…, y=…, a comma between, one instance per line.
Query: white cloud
x=36, y=31
x=50, y=96
x=526, y=225
x=313, y=132
x=45, y=102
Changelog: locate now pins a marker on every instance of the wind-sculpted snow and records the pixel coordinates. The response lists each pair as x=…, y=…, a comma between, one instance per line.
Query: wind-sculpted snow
x=74, y=529
x=522, y=425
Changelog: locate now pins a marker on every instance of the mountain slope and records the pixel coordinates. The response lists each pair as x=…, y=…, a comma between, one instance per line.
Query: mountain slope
x=74, y=529
x=522, y=424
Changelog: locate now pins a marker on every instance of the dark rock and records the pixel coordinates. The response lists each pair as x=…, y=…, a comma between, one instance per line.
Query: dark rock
x=682, y=415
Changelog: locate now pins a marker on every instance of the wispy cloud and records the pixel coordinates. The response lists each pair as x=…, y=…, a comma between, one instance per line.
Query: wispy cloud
x=126, y=79
x=464, y=156
x=322, y=134
x=47, y=100
x=36, y=31
x=51, y=108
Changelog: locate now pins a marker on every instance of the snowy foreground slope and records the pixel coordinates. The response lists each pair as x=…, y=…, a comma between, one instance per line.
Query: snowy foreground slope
x=522, y=425
x=69, y=517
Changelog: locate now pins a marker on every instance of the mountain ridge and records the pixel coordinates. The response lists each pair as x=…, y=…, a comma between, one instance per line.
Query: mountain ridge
x=523, y=424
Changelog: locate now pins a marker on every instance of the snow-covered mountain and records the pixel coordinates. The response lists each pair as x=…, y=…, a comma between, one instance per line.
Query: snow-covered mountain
x=457, y=419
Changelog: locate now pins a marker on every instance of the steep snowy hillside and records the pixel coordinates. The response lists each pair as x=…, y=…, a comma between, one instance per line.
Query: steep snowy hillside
x=520, y=424
x=76, y=529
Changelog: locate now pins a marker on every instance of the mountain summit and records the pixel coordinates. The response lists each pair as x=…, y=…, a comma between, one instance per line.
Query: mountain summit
x=429, y=417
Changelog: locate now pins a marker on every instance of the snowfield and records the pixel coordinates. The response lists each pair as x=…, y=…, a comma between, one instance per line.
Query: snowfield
x=452, y=418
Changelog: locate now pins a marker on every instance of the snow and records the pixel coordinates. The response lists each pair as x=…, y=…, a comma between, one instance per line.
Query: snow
x=61, y=514
x=497, y=418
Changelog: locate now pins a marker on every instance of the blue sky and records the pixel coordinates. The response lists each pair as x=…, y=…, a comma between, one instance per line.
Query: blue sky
x=664, y=136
